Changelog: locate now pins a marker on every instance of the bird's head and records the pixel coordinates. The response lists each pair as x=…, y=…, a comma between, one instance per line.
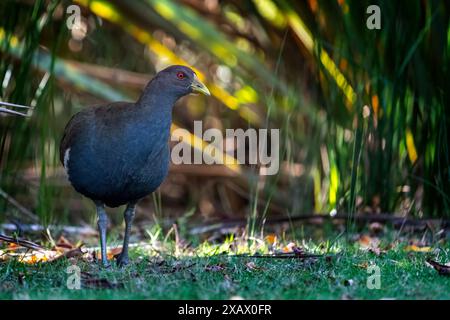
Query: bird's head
x=182, y=80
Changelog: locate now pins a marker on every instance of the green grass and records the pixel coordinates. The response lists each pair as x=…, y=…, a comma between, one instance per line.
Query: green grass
x=398, y=152
x=404, y=275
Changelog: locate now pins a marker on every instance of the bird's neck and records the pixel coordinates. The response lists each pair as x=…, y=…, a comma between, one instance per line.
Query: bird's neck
x=157, y=98
x=154, y=112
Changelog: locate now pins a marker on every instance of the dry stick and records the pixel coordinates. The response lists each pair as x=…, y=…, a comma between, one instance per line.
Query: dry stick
x=9, y=111
x=367, y=218
x=279, y=256
x=442, y=269
x=18, y=206
x=21, y=242
x=34, y=228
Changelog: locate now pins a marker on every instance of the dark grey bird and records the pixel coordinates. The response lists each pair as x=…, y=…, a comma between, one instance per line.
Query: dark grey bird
x=118, y=153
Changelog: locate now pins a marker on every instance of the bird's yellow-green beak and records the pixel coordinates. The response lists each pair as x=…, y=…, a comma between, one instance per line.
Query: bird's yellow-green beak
x=198, y=87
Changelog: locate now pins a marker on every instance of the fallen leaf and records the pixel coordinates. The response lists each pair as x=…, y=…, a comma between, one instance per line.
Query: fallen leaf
x=371, y=244
x=415, y=248
x=271, y=239
x=363, y=265
x=34, y=257
x=111, y=253
x=73, y=253
x=366, y=241
x=64, y=243
x=251, y=266
x=215, y=268
x=292, y=248
x=288, y=248
x=13, y=246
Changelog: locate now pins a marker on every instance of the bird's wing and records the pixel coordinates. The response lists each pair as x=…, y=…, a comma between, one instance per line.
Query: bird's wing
x=73, y=129
x=95, y=116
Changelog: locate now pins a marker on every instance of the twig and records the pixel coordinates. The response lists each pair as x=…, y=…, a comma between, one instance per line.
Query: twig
x=279, y=256
x=442, y=269
x=21, y=242
x=86, y=230
x=9, y=111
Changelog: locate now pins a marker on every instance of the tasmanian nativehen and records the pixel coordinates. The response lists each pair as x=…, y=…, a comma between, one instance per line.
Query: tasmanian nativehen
x=118, y=153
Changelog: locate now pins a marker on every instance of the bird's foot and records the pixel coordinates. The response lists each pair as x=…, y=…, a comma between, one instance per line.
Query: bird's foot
x=122, y=260
x=102, y=262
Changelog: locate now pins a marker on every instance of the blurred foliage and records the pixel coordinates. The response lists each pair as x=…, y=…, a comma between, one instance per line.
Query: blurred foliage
x=362, y=112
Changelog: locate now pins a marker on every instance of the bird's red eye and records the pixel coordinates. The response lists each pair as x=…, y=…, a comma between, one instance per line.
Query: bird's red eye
x=180, y=75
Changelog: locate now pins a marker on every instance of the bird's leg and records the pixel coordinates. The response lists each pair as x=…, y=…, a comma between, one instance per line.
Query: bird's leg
x=128, y=216
x=102, y=223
